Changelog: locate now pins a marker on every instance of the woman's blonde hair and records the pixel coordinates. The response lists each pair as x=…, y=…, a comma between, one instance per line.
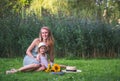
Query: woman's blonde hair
x=50, y=39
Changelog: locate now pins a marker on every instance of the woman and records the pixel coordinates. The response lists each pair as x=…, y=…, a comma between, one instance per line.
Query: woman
x=29, y=61
x=46, y=36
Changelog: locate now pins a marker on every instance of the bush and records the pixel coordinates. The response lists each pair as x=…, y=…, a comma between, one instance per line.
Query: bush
x=74, y=37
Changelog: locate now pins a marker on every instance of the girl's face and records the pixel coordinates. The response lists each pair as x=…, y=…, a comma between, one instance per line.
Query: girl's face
x=42, y=49
x=44, y=34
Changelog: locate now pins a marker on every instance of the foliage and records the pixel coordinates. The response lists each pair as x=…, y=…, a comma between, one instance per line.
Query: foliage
x=79, y=28
x=74, y=37
x=9, y=7
x=8, y=34
x=96, y=9
x=77, y=8
x=52, y=6
x=92, y=70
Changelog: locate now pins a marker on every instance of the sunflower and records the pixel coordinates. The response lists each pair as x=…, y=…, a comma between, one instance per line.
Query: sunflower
x=55, y=68
x=48, y=69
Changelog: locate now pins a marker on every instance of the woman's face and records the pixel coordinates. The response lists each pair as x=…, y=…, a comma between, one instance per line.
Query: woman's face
x=44, y=34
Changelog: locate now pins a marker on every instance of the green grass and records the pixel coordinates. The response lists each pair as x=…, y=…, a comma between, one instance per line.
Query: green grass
x=92, y=70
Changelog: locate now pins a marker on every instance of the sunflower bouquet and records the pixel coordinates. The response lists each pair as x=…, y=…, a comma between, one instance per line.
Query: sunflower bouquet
x=54, y=68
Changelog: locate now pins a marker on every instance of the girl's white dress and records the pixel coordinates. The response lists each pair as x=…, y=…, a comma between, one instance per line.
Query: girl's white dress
x=43, y=60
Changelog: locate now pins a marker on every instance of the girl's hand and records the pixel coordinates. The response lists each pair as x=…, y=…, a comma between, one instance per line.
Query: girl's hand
x=37, y=59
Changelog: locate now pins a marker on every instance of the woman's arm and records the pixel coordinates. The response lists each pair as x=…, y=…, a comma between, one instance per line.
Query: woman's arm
x=32, y=45
x=51, y=56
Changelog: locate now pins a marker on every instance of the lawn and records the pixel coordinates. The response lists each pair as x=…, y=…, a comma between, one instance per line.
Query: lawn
x=92, y=70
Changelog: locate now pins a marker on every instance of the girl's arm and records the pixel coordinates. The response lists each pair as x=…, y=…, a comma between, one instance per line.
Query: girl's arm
x=38, y=57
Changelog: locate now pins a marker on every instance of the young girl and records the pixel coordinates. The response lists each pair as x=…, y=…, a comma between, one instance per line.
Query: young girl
x=41, y=60
x=42, y=57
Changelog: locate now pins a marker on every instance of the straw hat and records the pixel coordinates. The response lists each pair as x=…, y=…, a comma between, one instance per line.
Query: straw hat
x=71, y=69
x=41, y=44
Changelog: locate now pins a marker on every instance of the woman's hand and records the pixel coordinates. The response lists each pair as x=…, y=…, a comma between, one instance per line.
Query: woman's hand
x=51, y=63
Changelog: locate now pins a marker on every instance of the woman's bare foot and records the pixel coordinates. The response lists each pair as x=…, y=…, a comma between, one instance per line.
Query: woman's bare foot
x=12, y=71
